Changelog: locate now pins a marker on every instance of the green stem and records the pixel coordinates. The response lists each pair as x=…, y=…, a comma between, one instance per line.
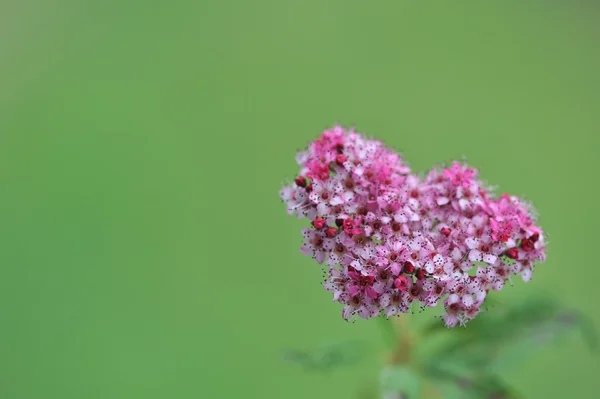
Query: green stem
x=403, y=340
x=388, y=331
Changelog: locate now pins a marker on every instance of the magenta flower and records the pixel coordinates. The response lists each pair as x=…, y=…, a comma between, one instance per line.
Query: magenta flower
x=393, y=241
x=360, y=284
x=316, y=245
x=460, y=174
x=501, y=231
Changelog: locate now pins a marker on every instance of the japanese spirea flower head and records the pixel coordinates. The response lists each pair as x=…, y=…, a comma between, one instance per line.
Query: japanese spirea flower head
x=393, y=242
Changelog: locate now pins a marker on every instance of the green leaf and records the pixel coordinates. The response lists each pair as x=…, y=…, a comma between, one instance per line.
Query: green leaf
x=401, y=380
x=451, y=391
x=588, y=331
x=542, y=334
x=346, y=353
x=301, y=358
x=367, y=392
x=498, y=339
x=493, y=388
x=328, y=356
x=476, y=387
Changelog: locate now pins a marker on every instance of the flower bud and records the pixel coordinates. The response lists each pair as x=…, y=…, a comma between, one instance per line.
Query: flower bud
x=319, y=223
x=300, y=181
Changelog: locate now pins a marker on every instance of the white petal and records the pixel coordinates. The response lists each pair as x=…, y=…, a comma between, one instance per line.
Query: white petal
x=479, y=220
x=481, y=296
x=397, y=246
x=432, y=301
x=457, y=275
x=468, y=300
x=456, y=255
x=465, y=265
x=413, y=203
x=323, y=208
x=370, y=218
x=489, y=258
x=395, y=268
x=364, y=312
x=337, y=294
x=414, y=217
x=498, y=249
x=333, y=259
x=357, y=265
x=430, y=267
x=306, y=249
x=379, y=287
x=320, y=256
x=498, y=284
x=348, y=196
x=337, y=200
x=400, y=218
x=391, y=311
x=347, y=312
x=527, y=275
x=302, y=157
x=450, y=320
x=286, y=193
x=475, y=256
x=449, y=266
x=472, y=242
x=481, y=272
x=452, y=299
x=385, y=300
x=442, y=200
x=427, y=224
x=314, y=197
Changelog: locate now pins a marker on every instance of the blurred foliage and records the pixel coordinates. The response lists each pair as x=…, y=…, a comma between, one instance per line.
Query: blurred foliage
x=489, y=387
x=400, y=380
x=470, y=361
x=328, y=356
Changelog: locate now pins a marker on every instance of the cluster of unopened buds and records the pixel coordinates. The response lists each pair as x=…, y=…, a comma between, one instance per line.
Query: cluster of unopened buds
x=394, y=242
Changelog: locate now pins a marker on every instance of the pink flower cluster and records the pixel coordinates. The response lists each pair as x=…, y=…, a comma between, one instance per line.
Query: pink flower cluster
x=391, y=239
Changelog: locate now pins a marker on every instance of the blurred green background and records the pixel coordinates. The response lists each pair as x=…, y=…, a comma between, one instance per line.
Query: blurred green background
x=145, y=252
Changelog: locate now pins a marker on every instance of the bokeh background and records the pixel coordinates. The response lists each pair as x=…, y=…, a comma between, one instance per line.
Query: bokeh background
x=145, y=252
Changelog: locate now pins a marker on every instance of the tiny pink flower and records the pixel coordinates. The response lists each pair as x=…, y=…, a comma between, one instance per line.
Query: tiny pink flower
x=401, y=283
x=315, y=245
x=394, y=303
x=360, y=284
x=501, y=231
x=481, y=251
x=459, y=175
